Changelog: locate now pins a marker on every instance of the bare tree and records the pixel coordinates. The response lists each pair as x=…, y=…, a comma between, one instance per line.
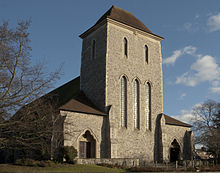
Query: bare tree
x=206, y=126
x=28, y=134
x=20, y=82
x=30, y=130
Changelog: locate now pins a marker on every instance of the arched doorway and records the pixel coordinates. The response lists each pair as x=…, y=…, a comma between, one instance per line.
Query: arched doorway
x=174, y=151
x=87, y=146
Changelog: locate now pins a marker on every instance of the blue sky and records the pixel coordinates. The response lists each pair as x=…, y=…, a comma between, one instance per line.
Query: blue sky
x=190, y=50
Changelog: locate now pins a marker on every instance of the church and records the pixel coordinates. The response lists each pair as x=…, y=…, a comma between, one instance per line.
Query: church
x=115, y=108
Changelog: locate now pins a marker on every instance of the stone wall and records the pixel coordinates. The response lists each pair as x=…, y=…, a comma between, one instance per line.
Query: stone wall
x=181, y=134
x=127, y=162
x=92, y=75
x=131, y=142
x=101, y=82
x=76, y=124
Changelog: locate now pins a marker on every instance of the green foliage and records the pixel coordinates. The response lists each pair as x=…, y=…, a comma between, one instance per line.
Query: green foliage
x=58, y=155
x=57, y=168
x=35, y=163
x=69, y=154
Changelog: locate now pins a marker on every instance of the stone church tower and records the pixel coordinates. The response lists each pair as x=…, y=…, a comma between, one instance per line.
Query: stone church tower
x=114, y=110
x=121, y=73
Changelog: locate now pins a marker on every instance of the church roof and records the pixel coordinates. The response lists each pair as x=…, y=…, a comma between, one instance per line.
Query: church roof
x=66, y=97
x=81, y=104
x=72, y=99
x=172, y=121
x=121, y=16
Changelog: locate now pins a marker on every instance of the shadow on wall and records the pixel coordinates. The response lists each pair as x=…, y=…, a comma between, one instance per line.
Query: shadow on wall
x=57, y=140
x=105, y=147
x=187, y=146
x=158, y=146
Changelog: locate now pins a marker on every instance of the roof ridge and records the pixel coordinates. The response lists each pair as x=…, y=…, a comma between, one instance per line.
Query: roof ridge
x=81, y=103
x=131, y=15
x=120, y=15
x=173, y=121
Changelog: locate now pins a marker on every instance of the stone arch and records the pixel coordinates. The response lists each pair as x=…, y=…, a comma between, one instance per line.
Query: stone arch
x=90, y=130
x=136, y=78
x=174, y=150
x=148, y=81
x=87, y=144
x=123, y=75
x=175, y=138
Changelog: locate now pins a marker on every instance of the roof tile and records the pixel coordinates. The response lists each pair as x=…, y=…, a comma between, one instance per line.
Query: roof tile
x=121, y=16
x=172, y=121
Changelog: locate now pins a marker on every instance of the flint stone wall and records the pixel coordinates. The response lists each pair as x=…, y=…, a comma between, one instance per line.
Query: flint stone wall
x=130, y=142
x=119, y=161
x=76, y=124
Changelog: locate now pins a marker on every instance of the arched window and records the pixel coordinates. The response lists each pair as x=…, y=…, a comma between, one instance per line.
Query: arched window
x=148, y=106
x=123, y=102
x=146, y=54
x=136, y=105
x=87, y=145
x=125, y=47
x=93, y=49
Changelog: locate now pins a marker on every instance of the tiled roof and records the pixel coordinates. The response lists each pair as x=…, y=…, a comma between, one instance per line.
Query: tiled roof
x=66, y=92
x=121, y=16
x=125, y=17
x=66, y=97
x=72, y=99
x=81, y=104
x=172, y=121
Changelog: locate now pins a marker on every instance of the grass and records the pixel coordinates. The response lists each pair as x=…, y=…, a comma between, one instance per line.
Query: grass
x=58, y=168
x=95, y=168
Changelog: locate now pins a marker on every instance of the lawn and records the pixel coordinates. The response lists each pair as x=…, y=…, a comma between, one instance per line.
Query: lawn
x=60, y=168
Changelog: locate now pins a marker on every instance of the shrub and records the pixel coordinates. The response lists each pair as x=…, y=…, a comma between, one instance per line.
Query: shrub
x=47, y=163
x=30, y=162
x=26, y=162
x=69, y=154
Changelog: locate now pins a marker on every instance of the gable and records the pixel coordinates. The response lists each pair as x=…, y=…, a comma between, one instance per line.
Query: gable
x=81, y=104
x=122, y=16
x=172, y=121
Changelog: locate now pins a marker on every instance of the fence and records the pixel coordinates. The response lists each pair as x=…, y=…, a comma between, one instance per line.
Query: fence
x=132, y=162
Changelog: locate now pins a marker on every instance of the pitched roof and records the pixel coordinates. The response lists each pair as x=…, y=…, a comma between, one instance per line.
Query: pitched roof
x=121, y=16
x=67, y=97
x=65, y=92
x=72, y=99
x=81, y=104
x=172, y=121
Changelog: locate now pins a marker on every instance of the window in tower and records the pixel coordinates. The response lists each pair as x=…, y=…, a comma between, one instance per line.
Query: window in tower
x=136, y=105
x=93, y=49
x=148, y=106
x=146, y=54
x=123, y=101
x=125, y=47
